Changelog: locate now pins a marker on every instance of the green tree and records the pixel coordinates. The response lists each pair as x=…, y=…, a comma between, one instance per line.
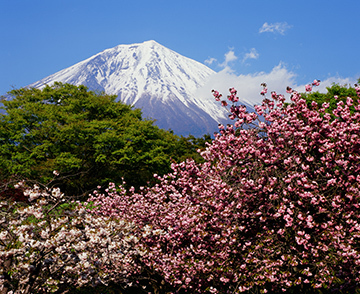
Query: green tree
x=88, y=137
x=342, y=92
x=187, y=147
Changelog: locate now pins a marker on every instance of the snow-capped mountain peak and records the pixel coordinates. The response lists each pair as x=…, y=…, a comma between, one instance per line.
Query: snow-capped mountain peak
x=154, y=78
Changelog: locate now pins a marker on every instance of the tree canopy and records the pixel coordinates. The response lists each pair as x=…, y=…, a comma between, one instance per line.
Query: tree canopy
x=89, y=138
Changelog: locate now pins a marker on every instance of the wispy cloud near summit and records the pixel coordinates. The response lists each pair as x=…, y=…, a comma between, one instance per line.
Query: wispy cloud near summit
x=210, y=60
x=228, y=58
x=253, y=54
x=278, y=27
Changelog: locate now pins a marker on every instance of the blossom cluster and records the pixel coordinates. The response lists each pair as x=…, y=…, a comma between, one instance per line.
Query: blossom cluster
x=50, y=246
x=275, y=205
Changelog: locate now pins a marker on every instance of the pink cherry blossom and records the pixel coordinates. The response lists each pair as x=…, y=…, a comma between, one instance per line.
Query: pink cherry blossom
x=308, y=88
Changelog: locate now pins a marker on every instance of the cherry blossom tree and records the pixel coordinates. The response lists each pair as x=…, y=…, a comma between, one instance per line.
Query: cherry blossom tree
x=275, y=206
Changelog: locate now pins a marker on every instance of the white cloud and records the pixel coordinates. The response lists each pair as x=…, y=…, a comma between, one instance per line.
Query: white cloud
x=278, y=27
x=253, y=54
x=249, y=86
x=229, y=57
x=210, y=61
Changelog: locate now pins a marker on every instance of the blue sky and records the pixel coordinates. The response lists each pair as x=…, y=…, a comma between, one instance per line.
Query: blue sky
x=283, y=42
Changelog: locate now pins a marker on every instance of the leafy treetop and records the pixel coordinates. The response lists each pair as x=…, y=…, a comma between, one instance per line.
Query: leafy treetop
x=88, y=138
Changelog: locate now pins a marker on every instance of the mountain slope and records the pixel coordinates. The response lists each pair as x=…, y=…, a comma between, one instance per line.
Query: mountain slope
x=149, y=76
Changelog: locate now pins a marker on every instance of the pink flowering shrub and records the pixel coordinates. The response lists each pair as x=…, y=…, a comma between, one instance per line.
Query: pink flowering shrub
x=46, y=248
x=275, y=206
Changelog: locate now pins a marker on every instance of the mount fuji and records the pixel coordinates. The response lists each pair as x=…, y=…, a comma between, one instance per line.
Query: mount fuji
x=149, y=76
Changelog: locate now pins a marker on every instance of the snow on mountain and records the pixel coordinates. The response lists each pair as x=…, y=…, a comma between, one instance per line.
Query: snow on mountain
x=154, y=78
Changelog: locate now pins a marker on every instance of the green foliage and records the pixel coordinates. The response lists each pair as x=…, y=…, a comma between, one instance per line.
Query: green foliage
x=89, y=138
x=341, y=91
x=188, y=147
